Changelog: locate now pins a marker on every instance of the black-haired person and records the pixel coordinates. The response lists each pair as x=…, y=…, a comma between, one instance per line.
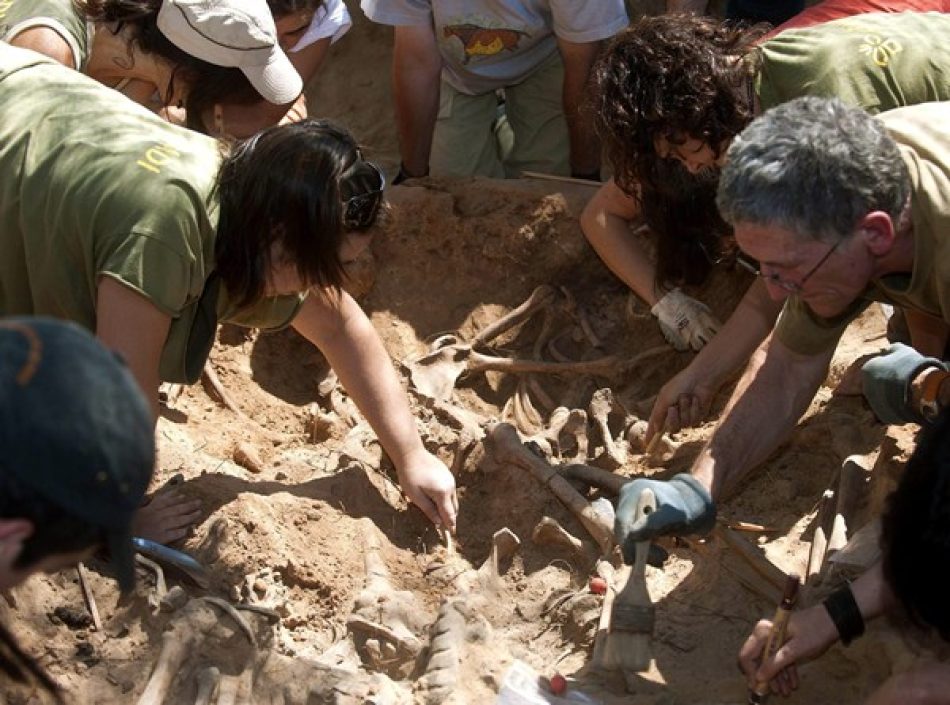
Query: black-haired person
x=152, y=236
x=679, y=89
x=78, y=451
x=908, y=585
x=181, y=58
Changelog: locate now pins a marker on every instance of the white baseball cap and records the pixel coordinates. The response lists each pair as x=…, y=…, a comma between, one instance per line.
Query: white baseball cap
x=234, y=33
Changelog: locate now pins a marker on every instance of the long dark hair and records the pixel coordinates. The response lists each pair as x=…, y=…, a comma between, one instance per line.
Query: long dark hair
x=672, y=77
x=205, y=84
x=286, y=186
x=915, y=532
x=54, y=531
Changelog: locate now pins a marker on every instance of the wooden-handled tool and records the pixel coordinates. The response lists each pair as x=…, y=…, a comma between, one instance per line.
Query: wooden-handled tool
x=632, y=618
x=776, y=638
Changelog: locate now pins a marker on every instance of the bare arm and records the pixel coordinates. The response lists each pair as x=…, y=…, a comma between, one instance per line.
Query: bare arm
x=928, y=334
x=772, y=394
x=45, y=41
x=585, y=147
x=132, y=326
x=344, y=334
x=605, y=222
x=685, y=399
x=417, y=69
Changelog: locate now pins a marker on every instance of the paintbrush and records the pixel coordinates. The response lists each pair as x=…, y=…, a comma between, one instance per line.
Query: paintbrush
x=776, y=638
x=631, y=620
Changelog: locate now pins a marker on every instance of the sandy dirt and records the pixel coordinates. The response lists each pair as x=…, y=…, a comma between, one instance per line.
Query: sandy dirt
x=288, y=526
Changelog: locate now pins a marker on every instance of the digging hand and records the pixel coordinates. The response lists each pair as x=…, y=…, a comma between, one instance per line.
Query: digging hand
x=686, y=323
x=809, y=634
x=682, y=402
x=167, y=517
x=886, y=381
x=430, y=485
x=683, y=506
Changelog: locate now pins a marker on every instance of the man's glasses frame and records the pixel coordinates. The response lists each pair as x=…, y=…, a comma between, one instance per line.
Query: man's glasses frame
x=791, y=287
x=360, y=211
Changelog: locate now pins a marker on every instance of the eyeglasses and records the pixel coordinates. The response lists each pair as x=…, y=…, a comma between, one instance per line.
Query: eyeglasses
x=359, y=212
x=791, y=287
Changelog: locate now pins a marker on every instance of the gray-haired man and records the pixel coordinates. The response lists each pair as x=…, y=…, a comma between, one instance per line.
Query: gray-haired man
x=838, y=209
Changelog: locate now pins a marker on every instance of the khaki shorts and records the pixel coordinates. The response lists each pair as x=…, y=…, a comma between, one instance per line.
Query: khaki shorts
x=473, y=137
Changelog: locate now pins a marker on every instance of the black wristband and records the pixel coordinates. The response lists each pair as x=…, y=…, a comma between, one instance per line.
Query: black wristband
x=844, y=612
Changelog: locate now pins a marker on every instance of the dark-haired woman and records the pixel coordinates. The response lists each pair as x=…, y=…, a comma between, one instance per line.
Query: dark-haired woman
x=671, y=93
x=909, y=584
x=184, y=60
x=151, y=237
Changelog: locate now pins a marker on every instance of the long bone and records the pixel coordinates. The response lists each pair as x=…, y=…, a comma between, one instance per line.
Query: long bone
x=207, y=681
x=507, y=448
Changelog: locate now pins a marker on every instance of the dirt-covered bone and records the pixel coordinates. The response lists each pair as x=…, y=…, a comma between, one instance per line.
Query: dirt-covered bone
x=506, y=447
x=384, y=614
x=442, y=669
x=602, y=404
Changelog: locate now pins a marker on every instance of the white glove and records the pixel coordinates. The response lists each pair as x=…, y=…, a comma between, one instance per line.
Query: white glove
x=685, y=322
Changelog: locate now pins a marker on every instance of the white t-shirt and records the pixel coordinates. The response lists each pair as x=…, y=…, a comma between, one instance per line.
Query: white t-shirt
x=331, y=19
x=490, y=44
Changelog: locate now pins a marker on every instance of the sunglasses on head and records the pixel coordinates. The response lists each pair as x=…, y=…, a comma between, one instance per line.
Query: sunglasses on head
x=359, y=212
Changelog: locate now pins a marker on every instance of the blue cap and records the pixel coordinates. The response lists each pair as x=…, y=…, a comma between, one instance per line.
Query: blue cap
x=75, y=428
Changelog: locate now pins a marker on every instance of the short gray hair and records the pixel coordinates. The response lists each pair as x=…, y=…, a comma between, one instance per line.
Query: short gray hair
x=814, y=166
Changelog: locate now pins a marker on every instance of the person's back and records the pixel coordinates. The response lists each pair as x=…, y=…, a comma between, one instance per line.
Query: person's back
x=878, y=61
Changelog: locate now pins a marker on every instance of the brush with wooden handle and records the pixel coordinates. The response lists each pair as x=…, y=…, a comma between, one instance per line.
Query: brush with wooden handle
x=776, y=638
x=631, y=621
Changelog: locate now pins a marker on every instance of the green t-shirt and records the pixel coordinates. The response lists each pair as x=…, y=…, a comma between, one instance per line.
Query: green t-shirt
x=922, y=133
x=878, y=61
x=95, y=185
x=59, y=15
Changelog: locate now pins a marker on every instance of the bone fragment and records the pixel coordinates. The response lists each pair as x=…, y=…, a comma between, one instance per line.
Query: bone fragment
x=602, y=403
x=236, y=616
x=245, y=455
x=579, y=315
x=819, y=540
x=504, y=544
x=541, y=297
x=174, y=599
x=441, y=673
x=207, y=680
x=637, y=435
x=89, y=597
x=156, y=596
x=549, y=532
x=507, y=448
x=173, y=653
x=752, y=555
x=576, y=427
x=852, y=487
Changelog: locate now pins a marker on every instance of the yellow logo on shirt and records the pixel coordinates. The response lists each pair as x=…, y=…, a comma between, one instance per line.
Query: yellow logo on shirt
x=483, y=41
x=879, y=49
x=157, y=156
x=4, y=6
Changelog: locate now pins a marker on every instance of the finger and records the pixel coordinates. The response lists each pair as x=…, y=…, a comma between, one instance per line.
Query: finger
x=657, y=419
x=447, y=511
x=751, y=651
x=428, y=507
x=784, y=657
x=793, y=676
x=684, y=410
x=695, y=411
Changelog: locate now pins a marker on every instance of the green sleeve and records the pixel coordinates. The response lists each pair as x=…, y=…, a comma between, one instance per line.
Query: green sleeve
x=804, y=332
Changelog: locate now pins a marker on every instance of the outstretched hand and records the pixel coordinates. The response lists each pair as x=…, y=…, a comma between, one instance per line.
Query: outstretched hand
x=809, y=634
x=430, y=485
x=684, y=401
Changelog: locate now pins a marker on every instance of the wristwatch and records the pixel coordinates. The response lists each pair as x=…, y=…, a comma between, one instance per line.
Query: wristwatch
x=930, y=405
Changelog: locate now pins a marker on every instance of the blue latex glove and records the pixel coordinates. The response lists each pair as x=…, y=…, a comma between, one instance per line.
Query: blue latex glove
x=683, y=506
x=886, y=380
